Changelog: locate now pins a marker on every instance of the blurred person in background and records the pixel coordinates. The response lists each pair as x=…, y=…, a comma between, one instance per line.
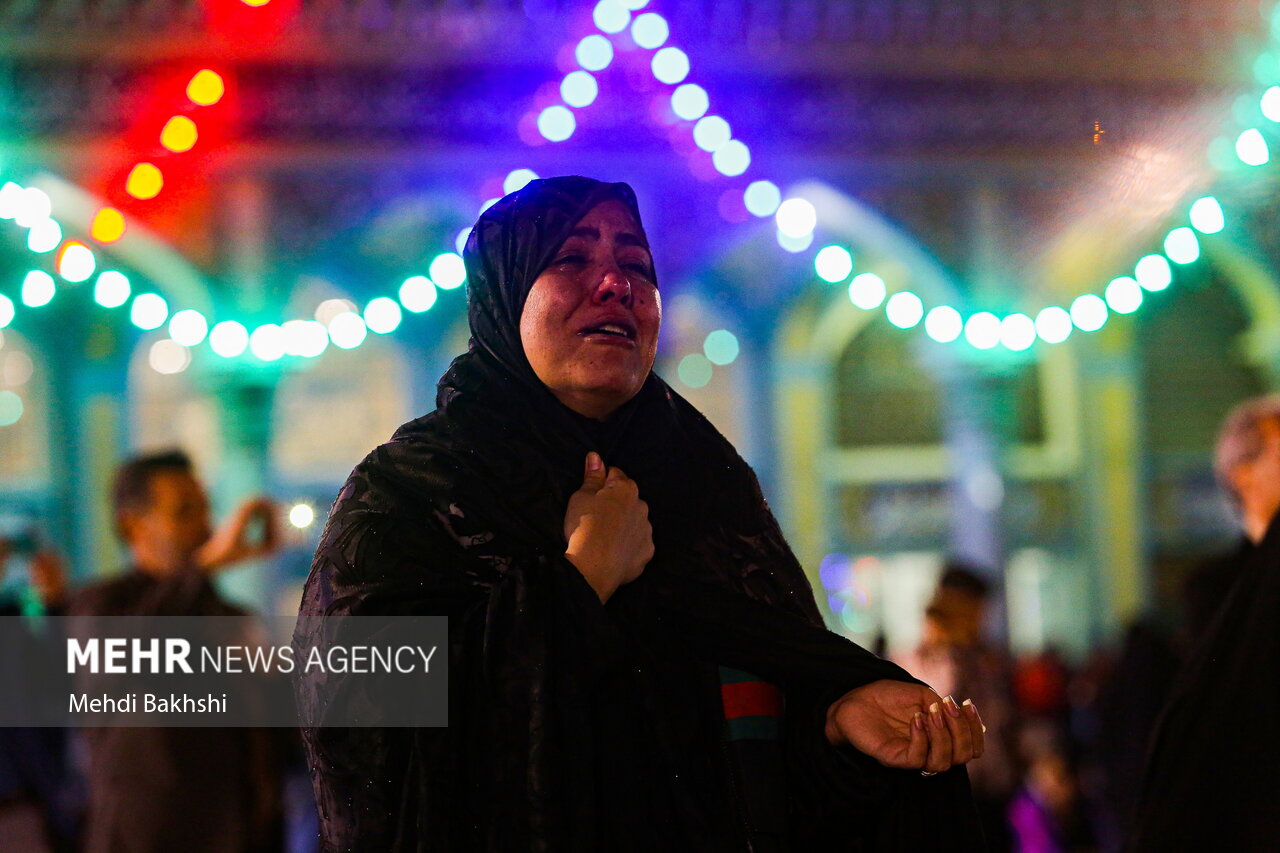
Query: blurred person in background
x=40, y=802
x=1241, y=466
x=196, y=790
x=1047, y=813
x=1210, y=781
x=954, y=659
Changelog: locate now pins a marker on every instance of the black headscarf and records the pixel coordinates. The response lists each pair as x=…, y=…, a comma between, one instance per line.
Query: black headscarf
x=577, y=726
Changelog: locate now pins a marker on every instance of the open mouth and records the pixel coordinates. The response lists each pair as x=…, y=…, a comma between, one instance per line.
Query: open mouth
x=617, y=330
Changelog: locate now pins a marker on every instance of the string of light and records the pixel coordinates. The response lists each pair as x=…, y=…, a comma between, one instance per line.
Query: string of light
x=797, y=219
x=340, y=324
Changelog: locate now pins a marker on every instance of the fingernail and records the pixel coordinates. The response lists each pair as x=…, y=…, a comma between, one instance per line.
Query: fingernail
x=918, y=721
x=951, y=706
x=970, y=707
x=594, y=462
x=936, y=714
x=984, y=728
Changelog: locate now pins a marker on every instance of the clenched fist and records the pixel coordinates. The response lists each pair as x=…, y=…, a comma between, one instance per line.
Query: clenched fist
x=606, y=526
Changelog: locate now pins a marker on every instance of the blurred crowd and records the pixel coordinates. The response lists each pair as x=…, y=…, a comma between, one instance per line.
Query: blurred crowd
x=1067, y=745
x=106, y=789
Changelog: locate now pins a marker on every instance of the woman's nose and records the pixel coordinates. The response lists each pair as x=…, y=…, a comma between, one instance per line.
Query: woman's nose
x=614, y=286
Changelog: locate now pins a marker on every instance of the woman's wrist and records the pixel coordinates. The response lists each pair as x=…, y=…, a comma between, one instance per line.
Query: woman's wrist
x=597, y=580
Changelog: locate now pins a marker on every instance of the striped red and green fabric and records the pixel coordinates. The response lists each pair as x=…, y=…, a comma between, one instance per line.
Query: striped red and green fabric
x=752, y=707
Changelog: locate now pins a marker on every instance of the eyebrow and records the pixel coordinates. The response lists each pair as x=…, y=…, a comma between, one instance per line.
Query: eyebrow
x=625, y=238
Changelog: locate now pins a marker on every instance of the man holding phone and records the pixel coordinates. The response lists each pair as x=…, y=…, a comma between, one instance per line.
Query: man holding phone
x=164, y=789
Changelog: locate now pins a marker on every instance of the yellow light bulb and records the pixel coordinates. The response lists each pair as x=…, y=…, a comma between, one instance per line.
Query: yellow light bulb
x=108, y=225
x=179, y=134
x=144, y=182
x=206, y=88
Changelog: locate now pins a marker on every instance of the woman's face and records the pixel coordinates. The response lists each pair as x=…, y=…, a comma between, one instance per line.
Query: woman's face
x=590, y=323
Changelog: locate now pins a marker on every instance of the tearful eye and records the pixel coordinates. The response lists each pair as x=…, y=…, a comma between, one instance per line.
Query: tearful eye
x=570, y=259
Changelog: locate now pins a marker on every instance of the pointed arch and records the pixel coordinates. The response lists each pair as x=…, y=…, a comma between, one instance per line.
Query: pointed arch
x=143, y=250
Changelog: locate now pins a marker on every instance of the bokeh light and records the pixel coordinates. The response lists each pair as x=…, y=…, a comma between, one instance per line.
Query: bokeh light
x=1181, y=246
x=721, y=347
x=650, y=30
x=417, y=294
x=347, y=330
x=1053, y=324
x=670, y=65
x=144, y=182
x=10, y=408
x=267, y=342
x=111, y=290
x=148, y=311
x=302, y=516
x=867, y=291
x=188, y=327
x=1153, y=272
x=229, y=339
x=690, y=101
x=1270, y=103
x=383, y=315
x=1207, y=216
x=12, y=200
x=1251, y=148
x=448, y=271
x=579, y=89
x=944, y=324
x=330, y=308
x=7, y=311
x=762, y=198
x=835, y=572
x=711, y=132
x=206, y=88
x=833, y=263
x=108, y=225
x=732, y=158
x=76, y=262
x=38, y=289
x=904, y=309
x=32, y=205
x=168, y=357
x=304, y=338
x=982, y=330
x=796, y=217
x=794, y=245
x=694, y=370
x=1089, y=312
x=1017, y=332
x=45, y=236
x=1123, y=295
x=556, y=123
x=517, y=179
x=594, y=53
x=179, y=134
x=610, y=16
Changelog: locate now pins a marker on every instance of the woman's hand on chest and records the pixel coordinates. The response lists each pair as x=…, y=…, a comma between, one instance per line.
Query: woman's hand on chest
x=606, y=528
